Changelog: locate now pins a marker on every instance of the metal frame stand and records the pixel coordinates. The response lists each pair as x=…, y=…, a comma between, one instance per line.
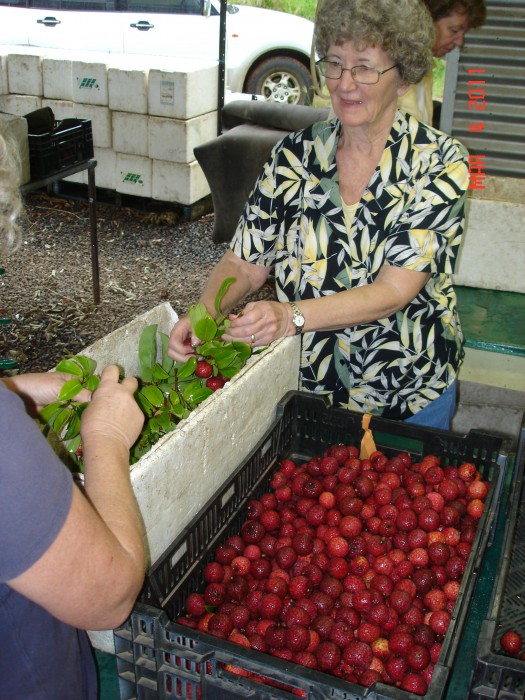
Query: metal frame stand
x=90, y=166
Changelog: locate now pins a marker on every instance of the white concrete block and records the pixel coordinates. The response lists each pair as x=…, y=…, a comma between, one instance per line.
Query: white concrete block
x=130, y=133
x=492, y=254
x=230, y=424
x=185, y=90
x=90, y=81
x=105, y=172
x=62, y=109
x=99, y=116
x=175, y=139
x=184, y=183
x=57, y=76
x=19, y=104
x=133, y=175
x=24, y=74
x=128, y=90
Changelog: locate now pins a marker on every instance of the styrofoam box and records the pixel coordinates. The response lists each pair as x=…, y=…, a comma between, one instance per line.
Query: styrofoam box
x=133, y=175
x=129, y=133
x=178, y=182
x=24, y=72
x=186, y=467
x=57, y=76
x=99, y=116
x=19, y=104
x=90, y=79
x=182, y=88
x=128, y=89
x=175, y=139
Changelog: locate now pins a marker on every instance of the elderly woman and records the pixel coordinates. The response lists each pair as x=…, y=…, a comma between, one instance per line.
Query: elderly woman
x=452, y=20
x=360, y=217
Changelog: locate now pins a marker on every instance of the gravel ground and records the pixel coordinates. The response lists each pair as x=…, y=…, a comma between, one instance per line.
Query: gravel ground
x=146, y=257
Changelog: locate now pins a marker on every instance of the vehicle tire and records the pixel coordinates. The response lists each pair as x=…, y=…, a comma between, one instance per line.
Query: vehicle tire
x=281, y=79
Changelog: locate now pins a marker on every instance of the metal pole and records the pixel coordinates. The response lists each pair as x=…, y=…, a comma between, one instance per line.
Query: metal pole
x=222, y=64
x=92, y=194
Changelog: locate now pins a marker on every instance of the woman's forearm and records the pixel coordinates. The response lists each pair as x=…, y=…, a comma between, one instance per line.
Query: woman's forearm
x=390, y=293
x=248, y=278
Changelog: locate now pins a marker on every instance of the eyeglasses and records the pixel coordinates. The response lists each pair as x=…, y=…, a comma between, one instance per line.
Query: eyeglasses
x=360, y=74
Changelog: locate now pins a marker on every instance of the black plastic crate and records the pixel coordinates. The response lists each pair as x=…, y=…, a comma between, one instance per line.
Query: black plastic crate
x=69, y=143
x=158, y=658
x=496, y=674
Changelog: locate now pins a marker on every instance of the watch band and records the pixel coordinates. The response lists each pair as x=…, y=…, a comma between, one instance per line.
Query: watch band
x=297, y=319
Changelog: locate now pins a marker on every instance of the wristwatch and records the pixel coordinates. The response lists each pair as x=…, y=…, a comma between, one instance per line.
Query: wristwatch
x=297, y=319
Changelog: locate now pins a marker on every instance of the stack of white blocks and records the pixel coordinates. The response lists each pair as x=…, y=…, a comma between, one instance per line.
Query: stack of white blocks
x=147, y=113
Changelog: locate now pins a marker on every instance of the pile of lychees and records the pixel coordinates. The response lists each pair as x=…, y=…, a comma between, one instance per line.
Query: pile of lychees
x=348, y=566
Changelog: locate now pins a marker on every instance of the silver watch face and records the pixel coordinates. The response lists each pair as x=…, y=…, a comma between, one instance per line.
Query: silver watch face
x=298, y=320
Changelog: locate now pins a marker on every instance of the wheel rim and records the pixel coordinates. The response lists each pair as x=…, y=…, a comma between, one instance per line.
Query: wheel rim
x=281, y=87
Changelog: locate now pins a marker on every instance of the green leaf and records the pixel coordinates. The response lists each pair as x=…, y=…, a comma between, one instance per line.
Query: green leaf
x=87, y=363
x=245, y=351
x=144, y=404
x=73, y=445
x=230, y=372
x=70, y=389
x=195, y=393
x=48, y=413
x=61, y=418
x=93, y=382
x=187, y=369
x=202, y=323
x=173, y=398
x=226, y=357
x=222, y=291
x=165, y=422
x=205, y=328
x=208, y=348
x=148, y=351
x=73, y=428
x=159, y=373
x=70, y=366
x=153, y=394
x=167, y=362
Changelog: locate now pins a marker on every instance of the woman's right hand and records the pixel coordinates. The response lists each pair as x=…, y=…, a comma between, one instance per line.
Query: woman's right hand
x=182, y=342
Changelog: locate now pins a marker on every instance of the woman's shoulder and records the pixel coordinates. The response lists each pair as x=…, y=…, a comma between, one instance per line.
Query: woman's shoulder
x=322, y=129
x=424, y=137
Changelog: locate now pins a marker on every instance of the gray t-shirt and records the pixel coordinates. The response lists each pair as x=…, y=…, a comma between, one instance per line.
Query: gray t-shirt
x=40, y=657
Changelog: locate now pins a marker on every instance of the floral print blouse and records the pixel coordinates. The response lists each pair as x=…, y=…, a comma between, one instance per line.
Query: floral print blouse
x=411, y=215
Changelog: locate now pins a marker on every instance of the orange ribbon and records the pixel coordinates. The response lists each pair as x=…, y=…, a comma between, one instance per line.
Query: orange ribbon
x=368, y=445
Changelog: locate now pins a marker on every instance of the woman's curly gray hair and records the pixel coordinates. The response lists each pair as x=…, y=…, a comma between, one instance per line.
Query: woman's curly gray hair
x=10, y=202
x=402, y=28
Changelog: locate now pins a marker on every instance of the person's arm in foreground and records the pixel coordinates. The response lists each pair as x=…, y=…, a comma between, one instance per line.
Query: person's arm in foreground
x=92, y=573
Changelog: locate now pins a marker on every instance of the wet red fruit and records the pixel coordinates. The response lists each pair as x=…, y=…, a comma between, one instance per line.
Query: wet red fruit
x=214, y=383
x=203, y=369
x=511, y=642
x=195, y=604
x=327, y=655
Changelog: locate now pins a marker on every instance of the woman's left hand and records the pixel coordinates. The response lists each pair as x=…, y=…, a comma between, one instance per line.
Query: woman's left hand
x=38, y=389
x=260, y=323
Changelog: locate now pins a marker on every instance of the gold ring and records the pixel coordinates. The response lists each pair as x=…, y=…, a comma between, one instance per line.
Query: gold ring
x=253, y=339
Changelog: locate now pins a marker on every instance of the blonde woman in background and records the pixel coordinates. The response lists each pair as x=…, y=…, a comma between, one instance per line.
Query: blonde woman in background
x=452, y=20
